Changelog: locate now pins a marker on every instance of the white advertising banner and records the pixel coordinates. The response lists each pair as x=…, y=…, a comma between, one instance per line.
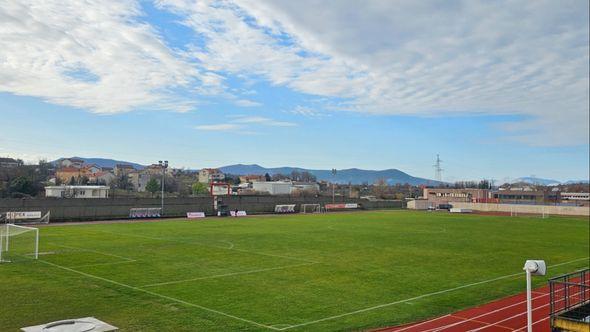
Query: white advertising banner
x=238, y=214
x=23, y=215
x=195, y=215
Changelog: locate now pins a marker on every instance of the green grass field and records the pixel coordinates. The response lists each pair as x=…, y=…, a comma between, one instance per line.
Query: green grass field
x=328, y=272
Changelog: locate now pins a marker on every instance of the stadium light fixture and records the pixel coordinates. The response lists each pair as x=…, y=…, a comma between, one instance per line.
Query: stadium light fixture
x=163, y=165
x=532, y=268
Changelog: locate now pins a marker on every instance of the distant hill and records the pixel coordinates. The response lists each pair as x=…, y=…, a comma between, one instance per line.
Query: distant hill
x=352, y=175
x=546, y=182
x=534, y=180
x=102, y=162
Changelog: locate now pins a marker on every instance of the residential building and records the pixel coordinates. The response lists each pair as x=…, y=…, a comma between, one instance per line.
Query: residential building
x=208, y=175
x=139, y=180
x=154, y=169
x=65, y=174
x=123, y=169
x=102, y=177
x=71, y=162
x=9, y=162
x=77, y=191
x=252, y=178
x=92, y=168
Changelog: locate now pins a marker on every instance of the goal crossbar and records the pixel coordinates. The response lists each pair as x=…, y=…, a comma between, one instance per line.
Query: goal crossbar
x=9, y=230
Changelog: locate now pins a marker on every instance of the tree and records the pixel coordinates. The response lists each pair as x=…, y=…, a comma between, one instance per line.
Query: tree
x=267, y=177
x=152, y=186
x=199, y=188
x=22, y=185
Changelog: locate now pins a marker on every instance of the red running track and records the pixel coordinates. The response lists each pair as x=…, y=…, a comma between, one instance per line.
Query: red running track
x=507, y=314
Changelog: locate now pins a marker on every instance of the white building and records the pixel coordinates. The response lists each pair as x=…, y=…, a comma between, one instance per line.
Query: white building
x=77, y=191
x=575, y=196
x=208, y=175
x=273, y=187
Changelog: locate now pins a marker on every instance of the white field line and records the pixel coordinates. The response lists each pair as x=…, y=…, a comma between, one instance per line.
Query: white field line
x=509, y=318
x=94, y=251
x=209, y=246
x=99, y=264
x=440, y=328
x=231, y=245
x=225, y=275
x=173, y=299
x=420, y=296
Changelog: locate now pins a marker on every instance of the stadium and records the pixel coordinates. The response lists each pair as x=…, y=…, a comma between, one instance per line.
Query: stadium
x=361, y=270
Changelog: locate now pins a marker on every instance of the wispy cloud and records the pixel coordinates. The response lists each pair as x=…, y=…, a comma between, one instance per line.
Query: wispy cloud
x=96, y=56
x=219, y=127
x=259, y=120
x=245, y=125
x=247, y=103
x=394, y=62
x=307, y=112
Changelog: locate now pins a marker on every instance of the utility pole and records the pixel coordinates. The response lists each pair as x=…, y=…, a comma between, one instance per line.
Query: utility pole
x=333, y=188
x=437, y=169
x=163, y=166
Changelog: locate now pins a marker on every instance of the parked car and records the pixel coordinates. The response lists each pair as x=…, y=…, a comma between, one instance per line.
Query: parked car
x=445, y=206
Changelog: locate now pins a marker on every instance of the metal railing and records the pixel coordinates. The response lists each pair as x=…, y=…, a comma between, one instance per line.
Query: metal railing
x=570, y=296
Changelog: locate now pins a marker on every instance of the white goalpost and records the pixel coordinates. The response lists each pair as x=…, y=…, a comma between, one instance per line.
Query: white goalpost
x=310, y=208
x=18, y=241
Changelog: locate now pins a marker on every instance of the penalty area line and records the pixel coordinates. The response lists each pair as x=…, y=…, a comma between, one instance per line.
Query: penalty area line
x=169, y=298
x=420, y=297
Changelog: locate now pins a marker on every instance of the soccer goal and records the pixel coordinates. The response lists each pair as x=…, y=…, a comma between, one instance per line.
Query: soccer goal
x=310, y=208
x=18, y=242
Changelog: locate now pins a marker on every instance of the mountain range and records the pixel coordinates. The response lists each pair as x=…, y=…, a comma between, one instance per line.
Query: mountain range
x=351, y=175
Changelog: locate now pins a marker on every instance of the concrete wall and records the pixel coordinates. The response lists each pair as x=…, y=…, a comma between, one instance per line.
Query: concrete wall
x=113, y=208
x=522, y=208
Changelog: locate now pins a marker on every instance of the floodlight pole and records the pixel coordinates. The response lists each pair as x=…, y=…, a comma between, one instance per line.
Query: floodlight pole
x=333, y=185
x=163, y=166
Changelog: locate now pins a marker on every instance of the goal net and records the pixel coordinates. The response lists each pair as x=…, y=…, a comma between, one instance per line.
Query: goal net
x=311, y=208
x=18, y=243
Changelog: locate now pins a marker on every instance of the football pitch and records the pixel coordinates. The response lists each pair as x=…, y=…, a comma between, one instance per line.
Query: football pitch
x=322, y=272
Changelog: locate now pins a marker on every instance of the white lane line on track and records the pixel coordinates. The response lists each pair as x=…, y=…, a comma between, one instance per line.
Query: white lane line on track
x=534, y=323
x=441, y=328
x=159, y=295
x=420, y=297
x=225, y=275
x=509, y=318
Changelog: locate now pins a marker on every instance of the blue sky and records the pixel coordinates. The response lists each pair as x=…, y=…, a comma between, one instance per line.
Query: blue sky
x=499, y=90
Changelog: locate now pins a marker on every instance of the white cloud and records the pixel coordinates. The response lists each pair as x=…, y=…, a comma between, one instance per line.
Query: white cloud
x=247, y=103
x=259, y=120
x=307, y=112
x=93, y=55
x=418, y=58
x=408, y=57
x=219, y=127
